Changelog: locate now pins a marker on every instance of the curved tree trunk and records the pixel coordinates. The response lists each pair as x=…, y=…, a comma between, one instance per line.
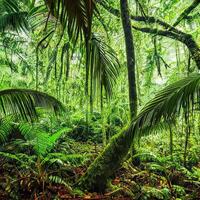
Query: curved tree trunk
x=105, y=165
x=110, y=160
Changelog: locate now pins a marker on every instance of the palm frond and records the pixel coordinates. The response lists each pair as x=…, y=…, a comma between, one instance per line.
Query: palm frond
x=23, y=103
x=183, y=95
x=13, y=21
x=12, y=17
x=104, y=66
x=75, y=16
x=37, y=16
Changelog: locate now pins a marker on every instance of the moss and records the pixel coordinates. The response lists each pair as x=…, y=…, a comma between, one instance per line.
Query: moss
x=105, y=165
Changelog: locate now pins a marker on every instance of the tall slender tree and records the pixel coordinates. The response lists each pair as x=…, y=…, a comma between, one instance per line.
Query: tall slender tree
x=130, y=56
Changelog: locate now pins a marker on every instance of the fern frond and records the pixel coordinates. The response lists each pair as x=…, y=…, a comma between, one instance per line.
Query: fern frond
x=5, y=129
x=59, y=180
x=72, y=159
x=43, y=142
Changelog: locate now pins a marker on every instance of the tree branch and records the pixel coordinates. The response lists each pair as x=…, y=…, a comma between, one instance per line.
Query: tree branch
x=186, y=12
x=146, y=19
x=183, y=37
x=166, y=33
x=169, y=31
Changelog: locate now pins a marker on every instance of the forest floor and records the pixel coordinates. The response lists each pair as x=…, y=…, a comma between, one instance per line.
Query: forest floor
x=151, y=179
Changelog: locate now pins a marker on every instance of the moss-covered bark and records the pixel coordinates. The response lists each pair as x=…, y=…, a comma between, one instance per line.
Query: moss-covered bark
x=130, y=57
x=111, y=158
x=105, y=165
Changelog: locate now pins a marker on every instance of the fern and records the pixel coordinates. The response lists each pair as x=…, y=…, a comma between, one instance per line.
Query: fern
x=24, y=161
x=43, y=141
x=153, y=193
x=5, y=129
x=57, y=179
x=72, y=159
x=10, y=156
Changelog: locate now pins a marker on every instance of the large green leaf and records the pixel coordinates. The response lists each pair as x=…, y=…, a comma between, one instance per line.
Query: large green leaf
x=23, y=102
x=183, y=95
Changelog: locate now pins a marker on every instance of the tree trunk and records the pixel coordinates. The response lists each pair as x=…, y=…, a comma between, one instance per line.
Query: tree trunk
x=105, y=165
x=130, y=55
x=194, y=50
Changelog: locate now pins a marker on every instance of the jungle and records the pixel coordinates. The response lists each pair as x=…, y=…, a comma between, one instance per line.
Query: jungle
x=100, y=99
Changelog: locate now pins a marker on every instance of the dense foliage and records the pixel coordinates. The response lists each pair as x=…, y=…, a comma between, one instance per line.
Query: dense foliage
x=99, y=99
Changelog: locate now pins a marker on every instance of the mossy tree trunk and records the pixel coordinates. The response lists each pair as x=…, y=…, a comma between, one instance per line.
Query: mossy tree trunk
x=106, y=164
x=131, y=66
x=111, y=158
